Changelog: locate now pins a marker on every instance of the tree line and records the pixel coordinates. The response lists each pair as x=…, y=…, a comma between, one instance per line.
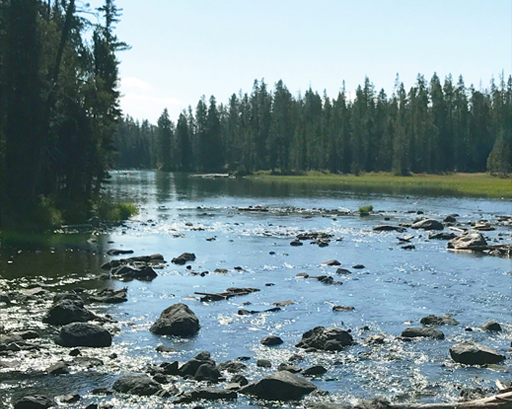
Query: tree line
x=434, y=127
x=59, y=108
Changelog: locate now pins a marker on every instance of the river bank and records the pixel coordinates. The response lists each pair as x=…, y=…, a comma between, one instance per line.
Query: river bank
x=457, y=184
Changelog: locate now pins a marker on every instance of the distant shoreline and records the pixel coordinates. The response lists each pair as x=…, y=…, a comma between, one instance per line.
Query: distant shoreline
x=457, y=184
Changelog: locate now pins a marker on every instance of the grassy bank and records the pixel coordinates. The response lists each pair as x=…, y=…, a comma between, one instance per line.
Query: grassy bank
x=458, y=184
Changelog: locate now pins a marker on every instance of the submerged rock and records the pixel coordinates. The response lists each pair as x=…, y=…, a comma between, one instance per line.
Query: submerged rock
x=331, y=263
x=471, y=353
x=281, y=385
x=342, y=308
x=145, y=273
x=314, y=370
x=34, y=402
x=434, y=320
x=205, y=393
x=327, y=339
x=387, y=227
x=426, y=332
x=141, y=385
x=428, y=224
x=110, y=296
x=177, y=320
x=83, y=334
x=442, y=236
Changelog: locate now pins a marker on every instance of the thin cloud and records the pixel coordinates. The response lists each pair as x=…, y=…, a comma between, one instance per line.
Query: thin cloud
x=132, y=82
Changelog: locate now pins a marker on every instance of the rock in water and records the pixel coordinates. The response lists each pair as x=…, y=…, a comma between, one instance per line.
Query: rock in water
x=177, y=320
x=491, y=325
x=83, y=334
x=427, y=332
x=205, y=393
x=281, y=385
x=183, y=258
x=471, y=353
x=34, y=402
x=327, y=339
x=467, y=241
x=433, y=320
x=141, y=385
x=68, y=311
x=271, y=340
x=428, y=224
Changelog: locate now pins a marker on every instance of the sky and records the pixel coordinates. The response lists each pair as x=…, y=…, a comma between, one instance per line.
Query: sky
x=183, y=49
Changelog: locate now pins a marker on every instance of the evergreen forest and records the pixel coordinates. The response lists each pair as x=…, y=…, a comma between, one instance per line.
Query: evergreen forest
x=437, y=126
x=59, y=109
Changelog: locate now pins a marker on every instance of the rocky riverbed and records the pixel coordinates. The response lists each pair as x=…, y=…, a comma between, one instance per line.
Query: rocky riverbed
x=242, y=305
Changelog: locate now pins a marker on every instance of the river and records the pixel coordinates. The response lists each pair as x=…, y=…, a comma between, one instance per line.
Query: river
x=394, y=289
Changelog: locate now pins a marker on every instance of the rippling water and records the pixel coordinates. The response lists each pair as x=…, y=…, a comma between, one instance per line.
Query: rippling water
x=394, y=290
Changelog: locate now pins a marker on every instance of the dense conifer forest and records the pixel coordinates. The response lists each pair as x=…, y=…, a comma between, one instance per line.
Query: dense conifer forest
x=436, y=126
x=59, y=108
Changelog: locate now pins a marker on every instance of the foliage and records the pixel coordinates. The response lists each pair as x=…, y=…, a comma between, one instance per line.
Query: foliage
x=365, y=209
x=435, y=127
x=59, y=109
x=107, y=209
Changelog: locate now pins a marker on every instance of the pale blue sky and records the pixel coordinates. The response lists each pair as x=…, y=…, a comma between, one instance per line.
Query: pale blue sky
x=182, y=49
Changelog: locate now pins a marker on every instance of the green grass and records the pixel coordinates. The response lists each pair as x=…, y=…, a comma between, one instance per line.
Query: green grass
x=457, y=184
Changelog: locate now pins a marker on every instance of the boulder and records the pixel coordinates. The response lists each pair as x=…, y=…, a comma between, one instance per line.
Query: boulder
x=331, y=263
x=205, y=393
x=342, y=308
x=467, y=241
x=296, y=243
x=471, y=353
x=271, y=340
x=239, y=379
x=449, y=219
x=263, y=363
x=164, y=348
x=68, y=311
x=314, y=370
x=328, y=339
x=177, y=320
x=83, y=334
x=289, y=367
x=190, y=367
x=183, y=258
x=387, y=227
x=59, y=368
x=343, y=271
x=428, y=224
x=141, y=385
x=34, y=402
x=231, y=367
x=433, y=320
x=281, y=385
x=425, y=332
x=491, y=325
x=207, y=372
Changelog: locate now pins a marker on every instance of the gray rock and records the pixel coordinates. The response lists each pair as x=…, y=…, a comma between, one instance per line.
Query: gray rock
x=442, y=236
x=170, y=368
x=207, y=394
x=190, y=367
x=271, y=340
x=141, y=385
x=281, y=385
x=207, y=372
x=34, y=402
x=343, y=271
x=471, y=353
x=328, y=339
x=288, y=367
x=125, y=272
x=428, y=224
x=163, y=348
x=433, y=320
x=467, y=241
x=239, y=379
x=110, y=296
x=426, y=332
x=70, y=398
x=83, y=334
x=332, y=263
x=60, y=368
x=375, y=339
x=296, y=243
x=449, y=219
x=263, y=363
x=183, y=258
x=177, y=320
x=491, y=325
x=231, y=367
x=314, y=370
x=342, y=308
x=68, y=311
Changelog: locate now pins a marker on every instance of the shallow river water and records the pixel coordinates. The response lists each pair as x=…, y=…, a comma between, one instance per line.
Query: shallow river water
x=394, y=290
